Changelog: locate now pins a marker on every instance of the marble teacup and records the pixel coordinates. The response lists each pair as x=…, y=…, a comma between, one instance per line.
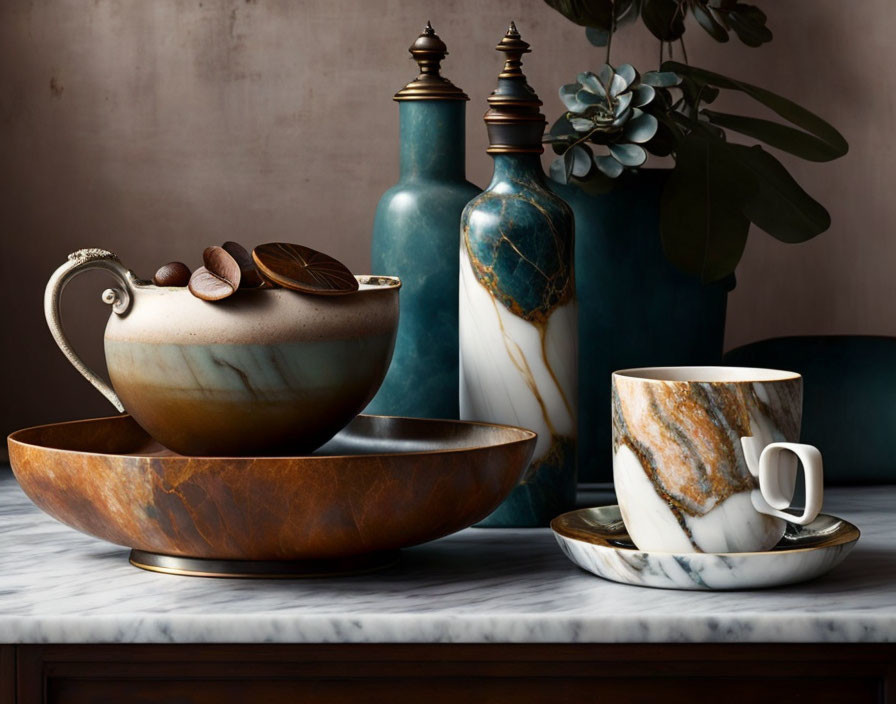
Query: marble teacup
x=705, y=458
x=266, y=371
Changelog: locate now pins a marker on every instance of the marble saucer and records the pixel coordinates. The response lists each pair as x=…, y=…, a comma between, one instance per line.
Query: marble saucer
x=595, y=539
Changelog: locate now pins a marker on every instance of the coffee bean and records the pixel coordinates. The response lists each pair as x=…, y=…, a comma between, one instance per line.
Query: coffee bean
x=172, y=274
x=222, y=265
x=250, y=278
x=205, y=285
x=303, y=269
x=218, y=279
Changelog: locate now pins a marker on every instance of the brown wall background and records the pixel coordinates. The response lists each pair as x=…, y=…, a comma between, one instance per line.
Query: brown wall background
x=157, y=127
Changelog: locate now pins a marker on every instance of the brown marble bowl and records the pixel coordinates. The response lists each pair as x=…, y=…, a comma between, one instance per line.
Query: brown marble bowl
x=381, y=484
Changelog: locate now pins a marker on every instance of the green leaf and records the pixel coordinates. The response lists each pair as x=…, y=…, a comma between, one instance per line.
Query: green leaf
x=831, y=143
x=748, y=22
x=664, y=19
x=557, y=170
x=628, y=154
x=784, y=137
x=559, y=130
x=780, y=206
x=702, y=224
x=588, y=13
x=608, y=166
x=581, y=161
x=708, y=22
x=597, y=37
x=661, y=80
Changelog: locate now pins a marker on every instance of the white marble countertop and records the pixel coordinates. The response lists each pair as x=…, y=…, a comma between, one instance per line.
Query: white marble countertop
x=477, y=586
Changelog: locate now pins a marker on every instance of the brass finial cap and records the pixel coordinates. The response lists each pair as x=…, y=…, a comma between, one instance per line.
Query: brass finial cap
x=514, y=122
x=428, y=51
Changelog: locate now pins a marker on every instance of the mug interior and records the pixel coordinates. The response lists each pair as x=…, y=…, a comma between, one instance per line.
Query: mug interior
x=708, y=374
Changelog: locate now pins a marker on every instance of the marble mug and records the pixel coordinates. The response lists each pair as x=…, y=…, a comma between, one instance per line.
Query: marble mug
x=705, y=458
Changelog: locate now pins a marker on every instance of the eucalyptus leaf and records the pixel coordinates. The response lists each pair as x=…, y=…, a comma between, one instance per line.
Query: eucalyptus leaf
x=623, y=117
x=586, y=97
x=580, y=124
x=568, y=97
x=557, y=170
x=702, y=223
x=597, y=37
x=617, y=85
x=628, y=154
x=581, y=160
x=561, y=128
x=641, y=129
x=643, y=94
x=661, y=79
x=592, y=84
x=628, y=73
x=608, y=166
x=780, y=207
x=622, y=102
x=830, y=142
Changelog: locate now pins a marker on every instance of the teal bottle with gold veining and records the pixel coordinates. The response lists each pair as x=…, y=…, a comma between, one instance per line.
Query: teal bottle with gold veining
x=415, y=237
x=518, y=322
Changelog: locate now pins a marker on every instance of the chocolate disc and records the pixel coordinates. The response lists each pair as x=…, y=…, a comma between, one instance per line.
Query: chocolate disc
x=303, y=269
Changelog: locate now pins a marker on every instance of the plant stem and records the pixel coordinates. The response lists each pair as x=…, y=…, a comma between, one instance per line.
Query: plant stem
x=612, y=29
x=658, y=68
x=579, y=141
x=684, y=52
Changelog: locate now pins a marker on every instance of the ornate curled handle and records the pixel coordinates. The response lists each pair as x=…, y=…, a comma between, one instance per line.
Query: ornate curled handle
x=119, y=298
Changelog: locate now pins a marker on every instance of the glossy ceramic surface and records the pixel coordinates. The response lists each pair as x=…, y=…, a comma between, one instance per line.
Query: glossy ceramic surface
x=415, y=237
x=685, y=479
x=381, y=484
x=635, y=308
x=518, y=329
x=595, y=539
x=265, y=371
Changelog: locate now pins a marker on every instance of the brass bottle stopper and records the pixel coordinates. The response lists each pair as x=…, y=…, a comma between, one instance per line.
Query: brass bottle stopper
x=428, y=51
x=514, y=122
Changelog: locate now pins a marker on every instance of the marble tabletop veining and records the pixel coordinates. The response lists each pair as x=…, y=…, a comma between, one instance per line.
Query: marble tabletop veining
x=477, y=586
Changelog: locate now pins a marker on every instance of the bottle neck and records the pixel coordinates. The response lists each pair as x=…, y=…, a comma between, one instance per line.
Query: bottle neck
x=525, y=168
x=432, y=139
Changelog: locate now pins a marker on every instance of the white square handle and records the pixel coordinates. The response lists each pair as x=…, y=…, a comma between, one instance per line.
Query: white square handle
x=776, y=470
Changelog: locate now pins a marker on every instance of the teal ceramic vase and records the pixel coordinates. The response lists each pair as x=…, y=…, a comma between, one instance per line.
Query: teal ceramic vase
x=415, y=237
x=635, y=308
x=517, y=302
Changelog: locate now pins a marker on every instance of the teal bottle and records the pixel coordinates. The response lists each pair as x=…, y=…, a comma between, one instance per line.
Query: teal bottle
x=518, y=317
x=415, y=237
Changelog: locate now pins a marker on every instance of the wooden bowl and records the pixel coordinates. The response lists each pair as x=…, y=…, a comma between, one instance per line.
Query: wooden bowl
x=381, y=484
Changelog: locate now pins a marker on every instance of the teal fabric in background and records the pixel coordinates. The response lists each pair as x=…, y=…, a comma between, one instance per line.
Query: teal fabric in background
x=416, y=237
x=635, y=308
x=849, y=399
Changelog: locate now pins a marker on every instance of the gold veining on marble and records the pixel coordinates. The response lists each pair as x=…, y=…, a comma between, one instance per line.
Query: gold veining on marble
x=686, y=435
